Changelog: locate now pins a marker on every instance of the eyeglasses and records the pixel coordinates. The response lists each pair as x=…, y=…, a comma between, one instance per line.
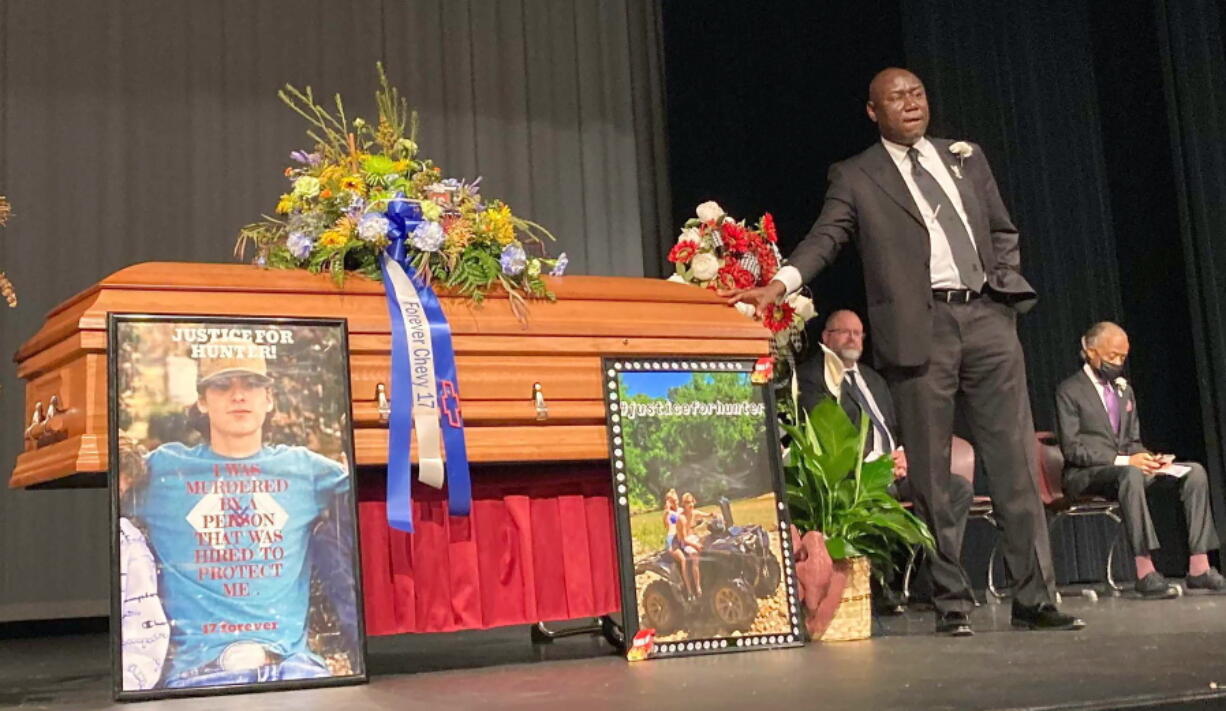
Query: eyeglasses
x=845, y=332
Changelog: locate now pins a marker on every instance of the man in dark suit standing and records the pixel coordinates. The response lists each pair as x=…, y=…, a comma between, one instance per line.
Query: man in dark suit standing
x=943, y=281
x=1100, y=435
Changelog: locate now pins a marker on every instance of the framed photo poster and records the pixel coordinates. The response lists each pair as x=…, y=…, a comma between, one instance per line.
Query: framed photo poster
x=234, y=542
x=702, y=523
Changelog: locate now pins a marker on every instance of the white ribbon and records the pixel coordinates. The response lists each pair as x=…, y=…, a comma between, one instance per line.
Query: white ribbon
x=424, y=389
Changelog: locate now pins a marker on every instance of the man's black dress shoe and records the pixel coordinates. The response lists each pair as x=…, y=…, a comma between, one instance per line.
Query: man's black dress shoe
x=1044, y=616
x=1210, y=580
x=1156, y=587
x=954, y=624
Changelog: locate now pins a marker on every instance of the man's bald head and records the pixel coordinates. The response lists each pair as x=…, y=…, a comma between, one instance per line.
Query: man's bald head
x=898, y=104
x=886, y=77
x=844, y=335
x=844, y=318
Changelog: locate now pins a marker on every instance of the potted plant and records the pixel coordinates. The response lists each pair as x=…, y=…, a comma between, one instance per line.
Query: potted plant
x=831, y=489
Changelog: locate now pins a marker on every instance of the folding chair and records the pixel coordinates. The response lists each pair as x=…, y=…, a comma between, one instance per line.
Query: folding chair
x=1060, y=506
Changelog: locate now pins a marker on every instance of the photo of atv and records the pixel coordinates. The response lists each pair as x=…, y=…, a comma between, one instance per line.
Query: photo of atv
x=737, y=568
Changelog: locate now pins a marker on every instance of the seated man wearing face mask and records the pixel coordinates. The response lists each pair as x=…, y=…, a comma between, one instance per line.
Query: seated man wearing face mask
x=1100, y=435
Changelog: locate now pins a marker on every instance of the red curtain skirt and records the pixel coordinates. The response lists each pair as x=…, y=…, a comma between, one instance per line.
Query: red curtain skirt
x=539, y=545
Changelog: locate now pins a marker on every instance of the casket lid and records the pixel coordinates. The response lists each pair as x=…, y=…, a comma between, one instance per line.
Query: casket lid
x=586, y=305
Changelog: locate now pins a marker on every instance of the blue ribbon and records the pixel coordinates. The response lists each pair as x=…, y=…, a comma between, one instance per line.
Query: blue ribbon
x=404, y=216
x=400, y=420
x=459, y=480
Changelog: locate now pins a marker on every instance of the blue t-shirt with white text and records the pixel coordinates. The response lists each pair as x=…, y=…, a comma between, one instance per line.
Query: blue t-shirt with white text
x=232, y=538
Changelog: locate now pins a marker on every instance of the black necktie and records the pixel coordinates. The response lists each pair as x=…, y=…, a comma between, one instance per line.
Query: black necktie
x=878, y=432
x=966, y=259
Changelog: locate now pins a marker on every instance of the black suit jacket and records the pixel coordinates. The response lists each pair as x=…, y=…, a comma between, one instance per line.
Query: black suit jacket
x=810, y=375
x=1086, y=437
x=868, y=200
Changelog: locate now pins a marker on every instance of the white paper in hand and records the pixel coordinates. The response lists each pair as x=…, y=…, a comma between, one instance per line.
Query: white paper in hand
x=1175, y=470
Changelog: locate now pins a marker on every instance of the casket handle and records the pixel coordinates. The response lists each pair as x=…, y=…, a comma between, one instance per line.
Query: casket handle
x=54, y=420
x=54, y=407
x=538, y=398
x=382, y=403
x=37, y=422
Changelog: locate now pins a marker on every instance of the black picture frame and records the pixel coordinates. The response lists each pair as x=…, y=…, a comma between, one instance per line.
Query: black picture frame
x=343, y=504
x=711, y=637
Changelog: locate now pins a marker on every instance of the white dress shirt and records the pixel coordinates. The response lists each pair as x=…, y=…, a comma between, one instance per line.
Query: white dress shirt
x=879, y=448
x=1101, y=388
x=942, y=266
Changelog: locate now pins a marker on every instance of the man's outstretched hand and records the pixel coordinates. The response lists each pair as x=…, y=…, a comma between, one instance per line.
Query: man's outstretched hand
x=759, y=297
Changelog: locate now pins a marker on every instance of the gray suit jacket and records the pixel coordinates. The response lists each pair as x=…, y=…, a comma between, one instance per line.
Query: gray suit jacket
x=1086, y=437
x=868, y=200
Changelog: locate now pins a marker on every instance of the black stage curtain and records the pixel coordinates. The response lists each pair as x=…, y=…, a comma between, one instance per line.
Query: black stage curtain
x=1073, y=94
x=1145, y=216
x=762, y=98
x=1018, y=79
x=1068, y=100
x=1190, y=36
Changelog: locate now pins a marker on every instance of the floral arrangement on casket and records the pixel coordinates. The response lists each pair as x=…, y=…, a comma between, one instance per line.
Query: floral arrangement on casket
x=717, y=252
x=364, y=201
x=364, y=186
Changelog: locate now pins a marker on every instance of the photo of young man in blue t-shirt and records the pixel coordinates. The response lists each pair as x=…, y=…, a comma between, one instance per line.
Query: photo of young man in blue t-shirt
x=237, y=527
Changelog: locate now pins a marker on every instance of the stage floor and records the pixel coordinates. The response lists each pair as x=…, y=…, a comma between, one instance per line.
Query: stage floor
x=1134, y=654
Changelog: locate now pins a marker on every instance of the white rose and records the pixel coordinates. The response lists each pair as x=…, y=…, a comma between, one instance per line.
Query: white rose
x=1121, y=384
x=746, y=309
x=705, y=266
x=710, y=211
x=962, y=149
x=690, y=234
x=803, y=305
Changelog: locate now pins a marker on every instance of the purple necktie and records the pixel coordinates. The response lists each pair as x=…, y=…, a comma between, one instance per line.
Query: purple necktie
x=1112, y=401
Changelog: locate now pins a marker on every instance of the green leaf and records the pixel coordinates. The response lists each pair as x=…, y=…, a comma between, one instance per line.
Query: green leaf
x=878, y=474
x=834, y=437
x=830, y=489
x=840, y=549
x=846, y=492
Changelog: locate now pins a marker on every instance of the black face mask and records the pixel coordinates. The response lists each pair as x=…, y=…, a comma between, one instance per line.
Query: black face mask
x=1110, y=371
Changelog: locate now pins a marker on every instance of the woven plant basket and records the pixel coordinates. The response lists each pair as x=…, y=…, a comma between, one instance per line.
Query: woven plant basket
x=854, y=617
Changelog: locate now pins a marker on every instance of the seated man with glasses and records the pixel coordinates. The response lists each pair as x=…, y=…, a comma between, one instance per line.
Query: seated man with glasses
x=863, y=390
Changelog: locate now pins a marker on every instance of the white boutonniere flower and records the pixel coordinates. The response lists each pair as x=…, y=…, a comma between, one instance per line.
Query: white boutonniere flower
x=963, y=150
x=1121, y=385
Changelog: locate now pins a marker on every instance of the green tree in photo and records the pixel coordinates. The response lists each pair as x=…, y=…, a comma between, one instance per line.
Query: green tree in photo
x=708, y=455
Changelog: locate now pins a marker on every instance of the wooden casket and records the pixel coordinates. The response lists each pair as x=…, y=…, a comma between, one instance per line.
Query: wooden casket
x=531, y=390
